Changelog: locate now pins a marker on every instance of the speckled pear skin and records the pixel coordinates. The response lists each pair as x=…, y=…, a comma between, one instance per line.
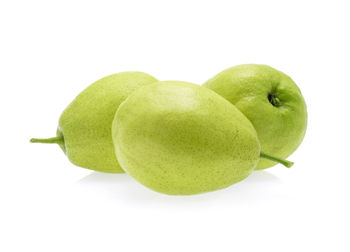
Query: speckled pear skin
x=280, y=128
x=180, y=138
x=86, y=123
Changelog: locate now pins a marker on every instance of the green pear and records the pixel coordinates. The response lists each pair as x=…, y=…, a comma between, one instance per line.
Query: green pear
x=84, y=130
x=271, y=101
x=180, y=138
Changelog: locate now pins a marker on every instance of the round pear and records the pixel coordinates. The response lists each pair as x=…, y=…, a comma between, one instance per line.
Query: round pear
x=272, y=102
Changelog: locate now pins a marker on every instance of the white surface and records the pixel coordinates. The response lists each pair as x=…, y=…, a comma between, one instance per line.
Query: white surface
x=50, y=51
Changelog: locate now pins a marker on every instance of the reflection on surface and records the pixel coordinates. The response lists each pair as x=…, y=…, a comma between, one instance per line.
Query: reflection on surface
x=260, y=185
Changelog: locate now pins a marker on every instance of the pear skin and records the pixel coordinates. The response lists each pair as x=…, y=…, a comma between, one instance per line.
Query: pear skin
x=84, y=131
x=272, y=102
x=180, y=138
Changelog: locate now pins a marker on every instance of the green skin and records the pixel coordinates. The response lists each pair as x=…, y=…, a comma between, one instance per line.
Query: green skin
x=84, y=131
x=271, y=101
x=179, y=138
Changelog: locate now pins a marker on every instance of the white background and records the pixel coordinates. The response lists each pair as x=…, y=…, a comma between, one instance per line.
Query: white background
x=51, y=50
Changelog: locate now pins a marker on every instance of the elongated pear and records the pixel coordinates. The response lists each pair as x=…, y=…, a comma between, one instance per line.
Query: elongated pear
x=180, y=138
x=84, y=130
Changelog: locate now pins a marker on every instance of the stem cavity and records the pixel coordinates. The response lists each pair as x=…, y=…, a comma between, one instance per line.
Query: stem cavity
x=274, y=100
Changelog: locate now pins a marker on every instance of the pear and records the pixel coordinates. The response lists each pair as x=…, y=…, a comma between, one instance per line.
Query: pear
x=271, y=100
x=180, y=138
x=84, y=130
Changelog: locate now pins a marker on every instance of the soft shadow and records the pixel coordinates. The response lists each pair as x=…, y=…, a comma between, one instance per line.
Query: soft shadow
x=261, y=176
x=105, y=178
x=123, y=187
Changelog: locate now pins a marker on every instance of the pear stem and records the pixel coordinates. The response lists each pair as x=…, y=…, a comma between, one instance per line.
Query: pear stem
x=284, y=162
x=52, y=140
